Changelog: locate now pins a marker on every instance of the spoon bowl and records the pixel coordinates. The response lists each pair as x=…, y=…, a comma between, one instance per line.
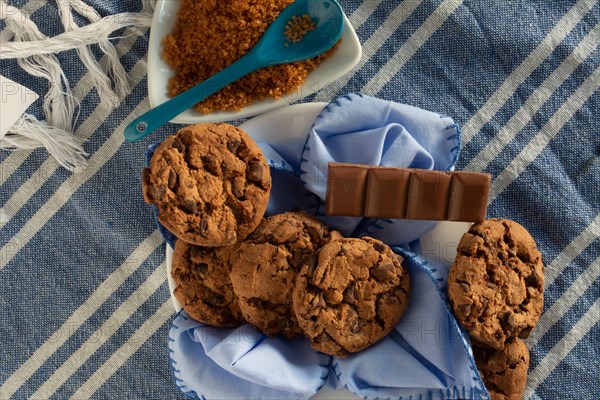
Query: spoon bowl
x=272, y=49
x=275, y=48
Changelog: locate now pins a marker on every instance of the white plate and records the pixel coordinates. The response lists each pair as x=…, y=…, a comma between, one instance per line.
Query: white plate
x=165, y=15
x=291, y=124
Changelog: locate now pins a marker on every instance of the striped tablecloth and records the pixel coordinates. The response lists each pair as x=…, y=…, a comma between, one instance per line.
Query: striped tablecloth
x=84, y=304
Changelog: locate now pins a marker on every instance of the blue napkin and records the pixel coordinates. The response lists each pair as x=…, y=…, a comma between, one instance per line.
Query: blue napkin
x=426, y=355
x=216, y=363
x=365, y=130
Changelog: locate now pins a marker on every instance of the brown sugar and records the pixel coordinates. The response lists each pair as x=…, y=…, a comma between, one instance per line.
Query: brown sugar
x=298, y=27
x=209, y=35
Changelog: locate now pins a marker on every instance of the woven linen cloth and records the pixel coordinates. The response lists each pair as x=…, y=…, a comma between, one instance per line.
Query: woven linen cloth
x=84, y=305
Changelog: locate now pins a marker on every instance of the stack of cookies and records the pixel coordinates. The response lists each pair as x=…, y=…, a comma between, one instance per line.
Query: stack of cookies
x=496, y=287
x=288, y=274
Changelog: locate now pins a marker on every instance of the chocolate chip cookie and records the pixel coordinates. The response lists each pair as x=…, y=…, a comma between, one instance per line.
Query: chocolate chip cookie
x=504, y=372
x=210, y=183
x=266, y=266
x=351, y=295
x=496, y=283
x=203, y=285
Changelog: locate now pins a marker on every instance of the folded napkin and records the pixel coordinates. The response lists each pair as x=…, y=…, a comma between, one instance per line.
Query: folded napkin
x=426, y=356
x=217, y=363
x=365, y=130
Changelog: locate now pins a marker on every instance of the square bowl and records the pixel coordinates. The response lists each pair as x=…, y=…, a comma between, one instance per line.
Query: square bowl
x=342, y=61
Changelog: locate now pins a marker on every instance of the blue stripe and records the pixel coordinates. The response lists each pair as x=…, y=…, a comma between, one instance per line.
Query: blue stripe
x=576, y=370
x=454, y=73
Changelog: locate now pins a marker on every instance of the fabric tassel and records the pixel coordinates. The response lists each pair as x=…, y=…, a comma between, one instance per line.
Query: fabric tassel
x=148, y=6
x=30, y=133
x=83, y=36
x=116, y=71
x=59, y=103
x=34, y=51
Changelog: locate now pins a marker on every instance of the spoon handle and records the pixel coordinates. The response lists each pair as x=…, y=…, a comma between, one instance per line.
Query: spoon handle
x=160, y=115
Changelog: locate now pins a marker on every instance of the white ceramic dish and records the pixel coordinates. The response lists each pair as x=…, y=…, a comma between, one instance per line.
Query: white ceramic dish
x=165, y=14
x=291, y=124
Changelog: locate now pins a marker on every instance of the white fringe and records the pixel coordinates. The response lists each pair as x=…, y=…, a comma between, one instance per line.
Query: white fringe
x=35, y=54
x=30, y=133
x=83, y=36
x=59, y=103
x=116, y=71
x=98, y=78
x=148, y=6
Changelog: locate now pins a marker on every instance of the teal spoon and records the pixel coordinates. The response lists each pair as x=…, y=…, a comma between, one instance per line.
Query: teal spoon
x=273, y=48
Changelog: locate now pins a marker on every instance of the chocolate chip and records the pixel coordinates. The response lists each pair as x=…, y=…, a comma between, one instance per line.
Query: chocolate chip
x=378, y=247
x=256, y=171
x=216, y=300
x=314, y=233
x=298, y=258
x=464, y=309
x=311, y=260
x=172, y=179
x=491, y=285
x=382, y=272
x=189, y=205
x=466, y=288
x=349, y=295
x=533, y=279
x=508, y=321
x=157, y=192
x=202, y=269
x=210, y=164
x=195, y=253
x=524, y=255
x=233, y=145
x=178, y=144
x=525, y=332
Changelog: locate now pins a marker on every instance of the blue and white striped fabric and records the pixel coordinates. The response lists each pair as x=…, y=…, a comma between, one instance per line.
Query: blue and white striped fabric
x=84, y=305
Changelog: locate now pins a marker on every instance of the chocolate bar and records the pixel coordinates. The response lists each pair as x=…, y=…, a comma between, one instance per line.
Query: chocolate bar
x=385, y=192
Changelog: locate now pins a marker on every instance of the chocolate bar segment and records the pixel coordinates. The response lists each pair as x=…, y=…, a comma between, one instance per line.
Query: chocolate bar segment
x=346, y=184
x=384, y=192
x=428, y=195
x=469, y=196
